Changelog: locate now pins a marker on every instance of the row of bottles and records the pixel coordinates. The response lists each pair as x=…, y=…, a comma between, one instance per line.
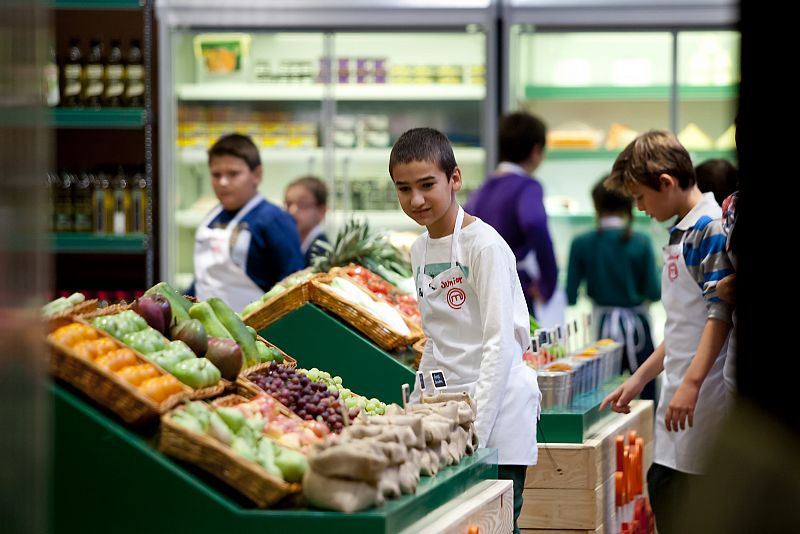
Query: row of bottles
x=96, y=79
x=103, y=201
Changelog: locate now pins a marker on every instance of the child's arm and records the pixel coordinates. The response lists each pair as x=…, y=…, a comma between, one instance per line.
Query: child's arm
x=620, y=398
x=684, y=401
x=491, y=276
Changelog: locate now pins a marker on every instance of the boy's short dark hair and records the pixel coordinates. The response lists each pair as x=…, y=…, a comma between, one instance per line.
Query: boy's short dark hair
x=517, y=134
x=718, y=176
x=649, y=156
x=236, y=145
x=423, y=144
x=316, y=187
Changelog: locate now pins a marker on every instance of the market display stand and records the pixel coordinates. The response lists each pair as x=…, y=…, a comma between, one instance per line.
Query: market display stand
x=316, y=339
x=571, y=490
x=107, y=478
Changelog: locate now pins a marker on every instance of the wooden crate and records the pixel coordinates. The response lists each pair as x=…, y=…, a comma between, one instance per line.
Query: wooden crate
x=489, y=506
x=572, y=487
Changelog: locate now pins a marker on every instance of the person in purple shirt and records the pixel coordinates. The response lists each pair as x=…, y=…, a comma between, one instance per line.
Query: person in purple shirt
x=511, y=200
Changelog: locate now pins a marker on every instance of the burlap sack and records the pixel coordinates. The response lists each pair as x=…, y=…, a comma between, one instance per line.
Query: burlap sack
x=339, y=494
x=395, y=453
x=458, y=397
x=355, y=460
x=408, y=477
x=435, y=430
x=429, y=462
x=389, y=484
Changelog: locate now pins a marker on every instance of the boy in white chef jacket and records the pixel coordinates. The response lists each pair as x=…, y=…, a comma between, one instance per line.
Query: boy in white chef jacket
x=657, y=171
x=471, y=302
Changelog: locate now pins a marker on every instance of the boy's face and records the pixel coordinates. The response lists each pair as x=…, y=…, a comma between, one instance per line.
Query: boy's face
x=233, y=181
x=302, y=205
x=660, y=205
x=424, y=192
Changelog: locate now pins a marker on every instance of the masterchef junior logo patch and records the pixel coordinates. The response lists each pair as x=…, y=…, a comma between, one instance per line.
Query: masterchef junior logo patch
x=456, y=298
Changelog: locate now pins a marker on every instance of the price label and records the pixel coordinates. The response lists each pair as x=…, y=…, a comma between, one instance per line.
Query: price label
x=437, y=377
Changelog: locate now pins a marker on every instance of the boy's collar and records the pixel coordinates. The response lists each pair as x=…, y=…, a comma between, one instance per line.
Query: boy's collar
x=707, y=206
x=507, y=167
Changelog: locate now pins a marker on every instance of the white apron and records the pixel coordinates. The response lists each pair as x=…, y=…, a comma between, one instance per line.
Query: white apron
x=450, y=313
x=215, y=273
x=685, y=450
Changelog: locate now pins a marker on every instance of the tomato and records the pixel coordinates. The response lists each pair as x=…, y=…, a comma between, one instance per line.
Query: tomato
x=74, y=333
x=161, y=387
x=136, y=374
x=117, y=359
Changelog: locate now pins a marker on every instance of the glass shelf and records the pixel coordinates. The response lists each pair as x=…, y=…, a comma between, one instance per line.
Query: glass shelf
x=654, y=92
x=98, y=118
x=355, y=92
x=98, y=243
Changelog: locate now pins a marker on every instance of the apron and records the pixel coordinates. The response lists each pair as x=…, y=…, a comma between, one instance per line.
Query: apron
x=450, y=311
x=624, y=325
x=686, y=318
x=216, y=275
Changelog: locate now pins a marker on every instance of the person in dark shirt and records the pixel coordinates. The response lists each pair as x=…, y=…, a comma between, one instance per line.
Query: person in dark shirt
x=718, y=176
x=512, y=201
x=306, y=199
x=246, y=244
x=619, y=269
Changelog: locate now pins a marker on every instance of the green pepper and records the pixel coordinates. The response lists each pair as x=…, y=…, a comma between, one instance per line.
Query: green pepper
x=146, y=341
x=176, y=352
x=197, y=373
x=252, y=331
x=250, y=308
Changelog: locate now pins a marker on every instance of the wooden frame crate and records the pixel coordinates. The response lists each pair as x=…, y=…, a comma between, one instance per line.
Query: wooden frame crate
x=572, y=487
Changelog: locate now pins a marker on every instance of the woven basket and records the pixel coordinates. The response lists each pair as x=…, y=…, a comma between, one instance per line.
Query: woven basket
x=228, y=401
x=61, y=319
x=278, y=306
x=419, y=348
x=112, y=309
x=247, y=477
x=106, y=387
x=361, y=318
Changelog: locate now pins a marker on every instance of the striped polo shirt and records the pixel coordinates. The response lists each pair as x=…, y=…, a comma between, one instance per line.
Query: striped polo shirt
x=703, y=239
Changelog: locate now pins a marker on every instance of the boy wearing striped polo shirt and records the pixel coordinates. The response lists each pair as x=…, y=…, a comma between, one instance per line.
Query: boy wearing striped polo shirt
x=656, y=170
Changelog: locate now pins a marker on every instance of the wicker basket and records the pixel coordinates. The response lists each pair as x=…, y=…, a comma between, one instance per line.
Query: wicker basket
x=61, y=319
x=106, y=387
x=229, y=401
x=360, y=318
x=112, y=309
x=247, y=477
x=419, y=348
x=278, y=306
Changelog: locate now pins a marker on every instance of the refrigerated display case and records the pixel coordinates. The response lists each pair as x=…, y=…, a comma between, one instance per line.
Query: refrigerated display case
x=601, y=72
x=319, y=97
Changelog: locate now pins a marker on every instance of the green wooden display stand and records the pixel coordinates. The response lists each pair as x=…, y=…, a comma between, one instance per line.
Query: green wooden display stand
x=574, y=425
x=317, y=339
x=106, y=478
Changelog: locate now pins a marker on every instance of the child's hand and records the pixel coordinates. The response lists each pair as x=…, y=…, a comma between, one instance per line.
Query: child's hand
x=681, y=407
x=726, y=289
x=620, y=398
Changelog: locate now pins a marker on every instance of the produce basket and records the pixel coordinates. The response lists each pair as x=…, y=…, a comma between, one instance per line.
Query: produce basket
x=248, y=388
x=390, y=294
x=281, y=304
x=65, y=317
x=106, y=387
x=112, y=309
x=228, y=401
x=419, y=348
x=360, y=318
x=247, y=477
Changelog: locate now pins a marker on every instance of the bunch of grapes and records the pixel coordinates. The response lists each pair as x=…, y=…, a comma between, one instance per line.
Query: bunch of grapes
x=353, y=402
x=308, y=399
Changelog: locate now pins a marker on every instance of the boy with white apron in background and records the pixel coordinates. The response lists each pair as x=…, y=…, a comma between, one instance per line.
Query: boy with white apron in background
x=657, y=171
x=472, y=306
x=245, y=245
